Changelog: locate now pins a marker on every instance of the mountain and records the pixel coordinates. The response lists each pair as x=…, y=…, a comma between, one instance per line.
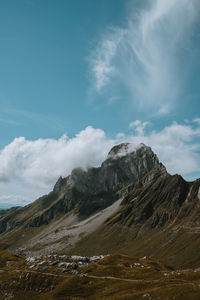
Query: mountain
x=87, y=191
x=159, y=220
x=129, y=205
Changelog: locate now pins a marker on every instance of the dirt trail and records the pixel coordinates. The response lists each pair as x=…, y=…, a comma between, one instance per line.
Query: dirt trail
x=172, y=280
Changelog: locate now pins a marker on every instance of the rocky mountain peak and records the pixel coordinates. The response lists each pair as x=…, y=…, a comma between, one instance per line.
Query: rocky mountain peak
x=87, y=191
x=124, y=149
x=96, y=188
x=126, y=163
x=138, y=206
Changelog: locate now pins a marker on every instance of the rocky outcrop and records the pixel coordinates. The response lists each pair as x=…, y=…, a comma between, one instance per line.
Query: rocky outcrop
x=4, y=212
x=156, y=214
x=168, y=200
x=88, y=191
x=96, y=188
x=160, y=219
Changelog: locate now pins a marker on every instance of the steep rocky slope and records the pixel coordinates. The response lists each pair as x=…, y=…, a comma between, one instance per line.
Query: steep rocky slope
x=84, y=192
x=130, y=205
x=161, y=219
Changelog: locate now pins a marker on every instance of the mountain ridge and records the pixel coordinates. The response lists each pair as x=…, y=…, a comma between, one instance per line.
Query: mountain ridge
x=94, y=211
x=87, y=191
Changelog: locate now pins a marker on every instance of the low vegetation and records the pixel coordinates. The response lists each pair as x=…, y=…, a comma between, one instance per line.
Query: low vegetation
x=113, y=277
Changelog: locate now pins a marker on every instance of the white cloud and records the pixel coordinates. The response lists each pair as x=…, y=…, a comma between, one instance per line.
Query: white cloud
x=197, y=120
x=145, y=55
x=29, y=169
x=177, y=147
x=42, y=161
x=101, y=60
x=139, y=126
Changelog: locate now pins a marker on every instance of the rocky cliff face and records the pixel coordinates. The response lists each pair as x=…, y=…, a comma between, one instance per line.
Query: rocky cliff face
x=96, y=188
x=159, y=219
x=87, y=191
x=169, y=200
x=124, y=165
x=129, y=204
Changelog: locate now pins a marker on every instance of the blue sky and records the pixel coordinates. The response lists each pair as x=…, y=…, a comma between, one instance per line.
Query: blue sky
x=78, y=76
x=45, y=47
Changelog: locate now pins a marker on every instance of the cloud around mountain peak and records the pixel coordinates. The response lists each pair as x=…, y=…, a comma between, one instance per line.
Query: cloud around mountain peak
x=30, y=168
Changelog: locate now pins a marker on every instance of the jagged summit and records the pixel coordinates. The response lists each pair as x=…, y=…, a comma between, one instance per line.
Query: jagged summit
x=124, y=149
x=87, y=191
x=125, y=165
x=110, y=208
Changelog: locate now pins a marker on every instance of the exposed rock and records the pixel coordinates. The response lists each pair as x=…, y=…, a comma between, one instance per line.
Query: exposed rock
x=131, y=195
x=87, y=191
x=166, y=200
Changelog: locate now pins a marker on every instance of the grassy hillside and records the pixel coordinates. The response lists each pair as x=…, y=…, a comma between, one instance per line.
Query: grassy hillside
x=179, y=249
x=115, y=277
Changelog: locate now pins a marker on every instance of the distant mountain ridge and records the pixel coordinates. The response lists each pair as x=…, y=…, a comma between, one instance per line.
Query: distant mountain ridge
x=94, y=211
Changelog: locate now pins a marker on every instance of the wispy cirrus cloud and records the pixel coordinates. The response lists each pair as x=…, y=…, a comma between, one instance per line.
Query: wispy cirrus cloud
x=9, y=122
x=20, y=117
x=146, y=56
x=101, y=60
